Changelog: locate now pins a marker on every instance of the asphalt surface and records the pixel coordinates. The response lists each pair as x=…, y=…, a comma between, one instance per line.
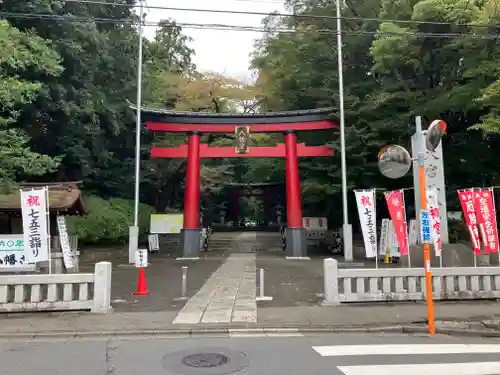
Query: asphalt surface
x=256, y=354
x=163, y=275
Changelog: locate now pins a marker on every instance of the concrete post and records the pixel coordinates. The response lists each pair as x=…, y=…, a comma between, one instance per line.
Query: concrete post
x=102, y=288
x=331, y=282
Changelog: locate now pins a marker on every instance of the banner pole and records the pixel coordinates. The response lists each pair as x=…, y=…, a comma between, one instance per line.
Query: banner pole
x=495, y=213
x=49, y=239
x=475, y=255
x=441, y=258
x=374, y=191
x=406, y=228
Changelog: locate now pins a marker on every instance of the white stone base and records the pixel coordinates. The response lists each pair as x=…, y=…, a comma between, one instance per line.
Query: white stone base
x=264, y=298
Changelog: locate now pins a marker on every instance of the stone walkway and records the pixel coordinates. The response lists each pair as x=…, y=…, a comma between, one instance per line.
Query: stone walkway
x=227, y=296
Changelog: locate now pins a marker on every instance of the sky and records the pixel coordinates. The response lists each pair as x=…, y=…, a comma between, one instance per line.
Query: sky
x=221, y=51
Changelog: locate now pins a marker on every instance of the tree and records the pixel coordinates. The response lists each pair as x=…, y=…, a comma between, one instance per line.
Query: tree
x=447, y=77
x=22, y=54
x=82, y=113
x=428, y=62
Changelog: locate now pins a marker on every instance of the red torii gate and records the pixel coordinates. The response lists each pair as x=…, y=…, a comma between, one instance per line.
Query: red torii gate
x=194, y=124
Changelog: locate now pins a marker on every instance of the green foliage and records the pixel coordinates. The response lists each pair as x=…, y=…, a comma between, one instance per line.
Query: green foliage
x=64, y=87
x=391, y=74
x=22, y=54
x=108, y=220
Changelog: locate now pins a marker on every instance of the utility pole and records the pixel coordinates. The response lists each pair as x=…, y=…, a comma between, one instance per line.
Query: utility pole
x=346, y=227
x=134, y=230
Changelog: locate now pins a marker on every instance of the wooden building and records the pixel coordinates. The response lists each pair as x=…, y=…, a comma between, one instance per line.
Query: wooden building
x=64, y=199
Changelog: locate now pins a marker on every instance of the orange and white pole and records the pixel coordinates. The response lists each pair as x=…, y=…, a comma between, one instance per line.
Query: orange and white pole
x=423, y=208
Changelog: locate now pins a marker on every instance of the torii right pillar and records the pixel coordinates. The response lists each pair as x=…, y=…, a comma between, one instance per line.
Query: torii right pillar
x=296, y=245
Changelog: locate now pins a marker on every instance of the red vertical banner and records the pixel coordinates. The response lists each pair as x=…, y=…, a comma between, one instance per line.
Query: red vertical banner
x=467, y=202
x=396, y=204
x=486, y=217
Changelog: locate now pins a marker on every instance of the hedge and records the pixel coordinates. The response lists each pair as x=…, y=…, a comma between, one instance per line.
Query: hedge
x=108, y=220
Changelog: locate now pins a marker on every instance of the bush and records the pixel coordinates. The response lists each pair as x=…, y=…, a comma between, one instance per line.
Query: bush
x=108, y=220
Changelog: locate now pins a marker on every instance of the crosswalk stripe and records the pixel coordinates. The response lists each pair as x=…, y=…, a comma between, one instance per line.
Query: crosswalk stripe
x=474, y=368
x=360, y=350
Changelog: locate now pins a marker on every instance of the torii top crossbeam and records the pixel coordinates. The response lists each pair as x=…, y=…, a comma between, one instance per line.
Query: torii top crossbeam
x=270, y=122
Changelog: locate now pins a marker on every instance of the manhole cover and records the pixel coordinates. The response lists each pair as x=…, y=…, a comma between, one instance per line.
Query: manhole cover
x=205, y=360
x=212, y=360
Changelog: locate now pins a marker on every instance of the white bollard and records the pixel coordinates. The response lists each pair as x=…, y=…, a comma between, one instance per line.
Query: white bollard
x=261, y=296
x=184, y=282
x=261, y=283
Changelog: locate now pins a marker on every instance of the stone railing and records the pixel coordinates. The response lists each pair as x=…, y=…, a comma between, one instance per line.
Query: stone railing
x=58, y=292
x=408, y=284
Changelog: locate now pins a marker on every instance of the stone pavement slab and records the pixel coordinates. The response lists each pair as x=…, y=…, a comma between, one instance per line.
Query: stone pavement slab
x=227, y=296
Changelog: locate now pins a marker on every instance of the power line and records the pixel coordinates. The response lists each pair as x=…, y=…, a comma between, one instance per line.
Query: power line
x=264, y=14
x=225, y=27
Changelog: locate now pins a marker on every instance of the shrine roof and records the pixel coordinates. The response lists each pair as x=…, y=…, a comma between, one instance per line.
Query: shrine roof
x=290, y=117
x=64, y=198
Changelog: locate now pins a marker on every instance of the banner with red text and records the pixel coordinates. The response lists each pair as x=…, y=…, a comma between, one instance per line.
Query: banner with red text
x=365, y=200
x=467, y=202
x=396, y=204
x=433, y=208
x=486, y=217
x=34, y=210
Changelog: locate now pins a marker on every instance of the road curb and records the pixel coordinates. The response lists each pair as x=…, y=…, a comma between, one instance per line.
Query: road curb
x=453, y=331
x=235, y=332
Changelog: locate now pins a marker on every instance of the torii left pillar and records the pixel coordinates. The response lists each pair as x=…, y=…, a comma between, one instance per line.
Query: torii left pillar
x=190, y=235
x=296, y=245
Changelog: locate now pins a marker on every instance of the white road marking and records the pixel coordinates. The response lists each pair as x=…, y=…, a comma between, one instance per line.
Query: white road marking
x=361, y=350
x=473, y=368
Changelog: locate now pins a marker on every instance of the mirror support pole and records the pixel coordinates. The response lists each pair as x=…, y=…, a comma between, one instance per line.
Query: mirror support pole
x=423, y=207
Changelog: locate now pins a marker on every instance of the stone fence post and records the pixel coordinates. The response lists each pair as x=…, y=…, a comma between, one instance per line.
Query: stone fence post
x=331, y=282
x=102, y=288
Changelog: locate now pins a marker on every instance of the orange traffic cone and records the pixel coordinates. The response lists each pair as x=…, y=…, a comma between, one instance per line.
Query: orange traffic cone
x=142, y=289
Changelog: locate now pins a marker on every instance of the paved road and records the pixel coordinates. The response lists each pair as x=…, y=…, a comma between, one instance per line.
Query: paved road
x=255, y=354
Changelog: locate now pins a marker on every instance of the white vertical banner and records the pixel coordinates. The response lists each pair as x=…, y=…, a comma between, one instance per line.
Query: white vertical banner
x=434, y=213
x=393, y=242
x=64, y=241
x=412, y=235
x=34, y=209
x=365, y=200
x=384, y=231
x=434, y=175
x=154, y=242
